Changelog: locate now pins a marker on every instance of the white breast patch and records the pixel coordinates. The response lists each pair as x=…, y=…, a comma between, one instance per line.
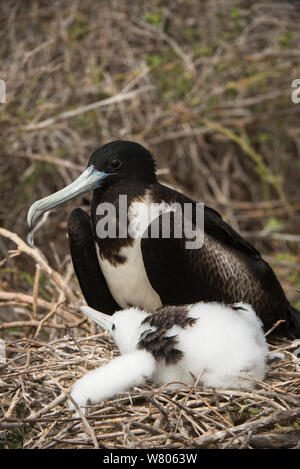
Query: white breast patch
x=128, y=282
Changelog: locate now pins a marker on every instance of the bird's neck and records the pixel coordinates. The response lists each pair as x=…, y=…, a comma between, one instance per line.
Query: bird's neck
x=111, y=205
x=111, y=194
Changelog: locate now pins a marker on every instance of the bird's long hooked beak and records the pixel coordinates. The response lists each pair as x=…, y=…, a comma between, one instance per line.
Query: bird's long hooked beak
x=104, y=320
x=90, y=179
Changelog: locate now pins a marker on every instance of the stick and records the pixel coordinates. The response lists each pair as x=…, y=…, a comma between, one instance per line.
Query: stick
x=38, y=257
x=89, y=107
x=277, y=417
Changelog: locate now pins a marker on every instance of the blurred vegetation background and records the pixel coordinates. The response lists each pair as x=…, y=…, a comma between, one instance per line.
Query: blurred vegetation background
x=205, y=85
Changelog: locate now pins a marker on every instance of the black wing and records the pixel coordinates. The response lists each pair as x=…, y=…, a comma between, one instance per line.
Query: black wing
x=226, y=268
x=215, y=226
x=89, y=274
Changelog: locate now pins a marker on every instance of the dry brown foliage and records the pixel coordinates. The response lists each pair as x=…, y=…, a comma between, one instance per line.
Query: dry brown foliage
x=206, y=86
x=37, y=376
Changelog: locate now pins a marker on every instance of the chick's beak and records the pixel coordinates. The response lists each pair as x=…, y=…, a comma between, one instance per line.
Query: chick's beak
x=103, y=320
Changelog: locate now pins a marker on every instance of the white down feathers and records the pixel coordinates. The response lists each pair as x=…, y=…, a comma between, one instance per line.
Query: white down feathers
x=225, y=347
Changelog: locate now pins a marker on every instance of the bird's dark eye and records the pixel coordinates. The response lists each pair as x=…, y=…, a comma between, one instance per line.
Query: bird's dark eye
x=113, y=327
x=115, y=164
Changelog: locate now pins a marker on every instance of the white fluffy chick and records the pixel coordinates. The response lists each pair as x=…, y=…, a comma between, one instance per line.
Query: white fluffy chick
x=221, y=344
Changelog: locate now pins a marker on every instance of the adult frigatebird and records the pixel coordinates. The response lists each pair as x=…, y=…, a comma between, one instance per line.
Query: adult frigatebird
x=118, y=271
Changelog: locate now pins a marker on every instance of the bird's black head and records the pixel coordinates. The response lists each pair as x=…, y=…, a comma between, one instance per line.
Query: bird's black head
x=115, y=162
x=124, y=160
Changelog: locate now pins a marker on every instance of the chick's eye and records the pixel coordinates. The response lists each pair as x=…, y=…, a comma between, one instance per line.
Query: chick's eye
x=115, y=164
x=113, y=327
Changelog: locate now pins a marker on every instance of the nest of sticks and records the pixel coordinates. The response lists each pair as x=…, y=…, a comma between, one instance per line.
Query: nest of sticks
x=52, y=346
